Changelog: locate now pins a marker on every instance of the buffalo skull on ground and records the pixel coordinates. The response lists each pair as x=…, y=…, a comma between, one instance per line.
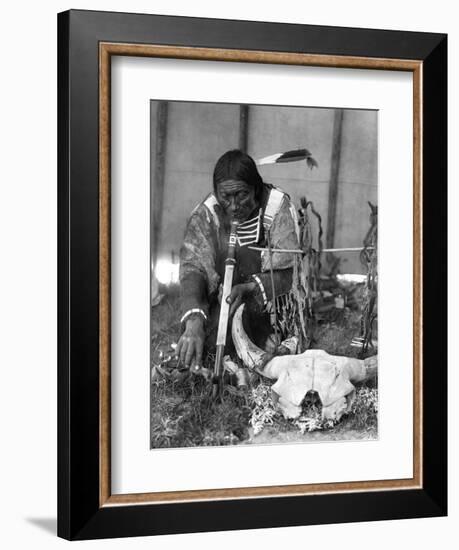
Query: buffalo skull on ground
x=331, y=376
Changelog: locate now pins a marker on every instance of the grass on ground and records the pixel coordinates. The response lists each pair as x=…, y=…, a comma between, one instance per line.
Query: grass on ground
x=183, y=413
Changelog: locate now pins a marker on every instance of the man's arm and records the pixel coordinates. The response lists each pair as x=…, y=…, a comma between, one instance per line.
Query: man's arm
x=282, y=284
x=198, y=279
x=198, y=275
x=193, y=292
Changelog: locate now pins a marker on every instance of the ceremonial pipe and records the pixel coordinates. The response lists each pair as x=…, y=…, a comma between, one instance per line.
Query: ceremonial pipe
x=230, y=262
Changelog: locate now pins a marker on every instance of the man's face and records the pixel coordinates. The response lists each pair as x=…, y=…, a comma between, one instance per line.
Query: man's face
x=237, y=199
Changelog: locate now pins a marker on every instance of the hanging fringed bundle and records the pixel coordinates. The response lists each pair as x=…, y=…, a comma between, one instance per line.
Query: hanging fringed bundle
x=296, y=311
x=369, y=258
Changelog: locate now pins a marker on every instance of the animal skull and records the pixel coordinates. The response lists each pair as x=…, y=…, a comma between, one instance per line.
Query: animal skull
x=331, y=376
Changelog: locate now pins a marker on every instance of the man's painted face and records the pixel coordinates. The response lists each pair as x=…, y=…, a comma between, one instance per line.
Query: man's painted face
x=237, y=198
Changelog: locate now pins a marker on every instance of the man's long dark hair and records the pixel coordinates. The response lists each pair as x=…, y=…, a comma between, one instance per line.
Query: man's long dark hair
x=236, y=165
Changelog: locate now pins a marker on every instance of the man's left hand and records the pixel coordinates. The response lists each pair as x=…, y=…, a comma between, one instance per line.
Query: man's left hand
x=238, y=293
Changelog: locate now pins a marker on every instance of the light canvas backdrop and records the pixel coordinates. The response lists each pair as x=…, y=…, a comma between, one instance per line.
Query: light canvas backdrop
x=197, y=134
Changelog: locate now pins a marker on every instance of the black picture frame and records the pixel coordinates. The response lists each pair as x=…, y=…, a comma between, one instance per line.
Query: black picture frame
x=80, y=514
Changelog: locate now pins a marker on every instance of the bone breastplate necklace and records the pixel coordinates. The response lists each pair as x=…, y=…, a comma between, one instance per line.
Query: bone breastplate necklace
x=248, y=232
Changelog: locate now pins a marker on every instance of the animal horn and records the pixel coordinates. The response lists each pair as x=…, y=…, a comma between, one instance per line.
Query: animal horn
x=251, y=355
x=371, y=366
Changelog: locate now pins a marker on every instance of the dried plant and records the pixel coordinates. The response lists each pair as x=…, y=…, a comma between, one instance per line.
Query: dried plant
x=263, y=407
x=369, y=258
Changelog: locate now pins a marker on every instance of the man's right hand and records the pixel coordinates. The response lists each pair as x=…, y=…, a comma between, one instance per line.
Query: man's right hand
x=191, y=343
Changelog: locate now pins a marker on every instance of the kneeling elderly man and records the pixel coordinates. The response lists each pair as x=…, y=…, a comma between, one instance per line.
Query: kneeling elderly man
x=265, y=215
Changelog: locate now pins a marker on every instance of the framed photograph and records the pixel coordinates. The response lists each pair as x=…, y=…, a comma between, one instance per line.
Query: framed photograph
x=252, y=275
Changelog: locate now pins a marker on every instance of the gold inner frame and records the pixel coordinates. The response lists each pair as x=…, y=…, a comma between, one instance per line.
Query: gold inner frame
x=106, y=50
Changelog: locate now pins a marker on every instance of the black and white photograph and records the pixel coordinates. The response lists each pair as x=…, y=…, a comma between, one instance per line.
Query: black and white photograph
x=230, y=247
x=264, y=274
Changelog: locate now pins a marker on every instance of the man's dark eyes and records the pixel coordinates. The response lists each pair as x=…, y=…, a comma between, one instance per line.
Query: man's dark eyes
x=239, y=196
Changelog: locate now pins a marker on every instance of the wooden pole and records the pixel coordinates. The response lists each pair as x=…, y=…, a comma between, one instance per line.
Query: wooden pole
x=243, y=127
x=158, y=152
x=299, y=251
x=334, y=176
